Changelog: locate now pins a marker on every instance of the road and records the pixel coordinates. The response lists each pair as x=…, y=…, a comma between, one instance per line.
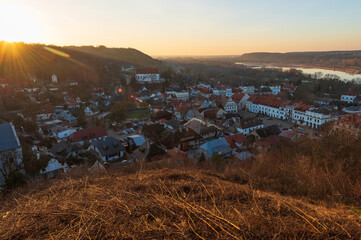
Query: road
x=268, y=121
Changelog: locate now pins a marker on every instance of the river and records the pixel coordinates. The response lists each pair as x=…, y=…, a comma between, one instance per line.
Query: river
x=343, y=75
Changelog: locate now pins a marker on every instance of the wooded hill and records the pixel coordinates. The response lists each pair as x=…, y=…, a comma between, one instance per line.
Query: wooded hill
x=86, y=63
x=331, y=59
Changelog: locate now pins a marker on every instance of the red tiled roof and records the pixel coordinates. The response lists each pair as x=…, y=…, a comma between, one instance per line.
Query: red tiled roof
x=88, y=134
x=236, y=138
x=183, y=108
x=147, y=71
x=238, y=97
x=350, y=93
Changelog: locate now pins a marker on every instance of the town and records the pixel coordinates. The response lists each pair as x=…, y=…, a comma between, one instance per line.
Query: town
x=144, y=118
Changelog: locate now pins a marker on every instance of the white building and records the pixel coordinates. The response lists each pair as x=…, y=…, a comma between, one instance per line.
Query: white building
x=147, y=75
x=316, y=117
x=54, y=79
x=184, y=95
x=348, y=97
x=247, y=89
x=230, y=106
x=275, y=89
x=60, y=132
x=246, y=126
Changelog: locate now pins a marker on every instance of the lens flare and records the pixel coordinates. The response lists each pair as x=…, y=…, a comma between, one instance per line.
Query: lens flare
x=57, y=52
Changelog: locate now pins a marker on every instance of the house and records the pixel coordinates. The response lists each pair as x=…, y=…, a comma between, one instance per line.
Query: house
x=108, y=148
x=60, y=132
x=160, y=133
x=64, y=115
x=54, y=79
x=11, y=154
x=275, y=89
x=54, y=168
x=135, y=141
x=203, y=128
x=247, y=89
x=147, y=75
x=264, y=90
x=315, y=117
x=174, y=124
x=247, y=125
x=72, y=102
x=184, y=111
x=215, y=113
x=266, y=132
x=240, y=99
x=149, y=151
x=91, y=110
x=63, y=149
x=158, y=114
x=88, y=135
x=236, y=140
x=348, y=96
x=229, y=105
x=188, y=139
x=289, y=87
x=220, y=146
x=184, y=95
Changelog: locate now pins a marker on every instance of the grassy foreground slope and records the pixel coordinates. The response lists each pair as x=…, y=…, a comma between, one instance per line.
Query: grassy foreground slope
x=167, y=204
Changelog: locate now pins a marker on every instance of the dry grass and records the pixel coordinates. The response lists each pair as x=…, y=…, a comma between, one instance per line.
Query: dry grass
x=166, y=204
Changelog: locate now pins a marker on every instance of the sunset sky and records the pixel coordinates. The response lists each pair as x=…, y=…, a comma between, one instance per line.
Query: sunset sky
x=187, y=27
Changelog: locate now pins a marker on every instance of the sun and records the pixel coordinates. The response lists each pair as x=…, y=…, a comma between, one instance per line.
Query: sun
x=18, y=24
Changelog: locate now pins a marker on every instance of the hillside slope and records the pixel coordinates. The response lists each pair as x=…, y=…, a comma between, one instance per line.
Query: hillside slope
x=86, y=63
x=167, y=204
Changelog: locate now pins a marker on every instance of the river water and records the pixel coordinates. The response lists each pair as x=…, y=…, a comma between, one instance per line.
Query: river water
x=343, y=75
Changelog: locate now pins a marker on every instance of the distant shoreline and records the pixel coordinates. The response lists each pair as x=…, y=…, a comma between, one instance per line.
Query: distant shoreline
x=257, y=64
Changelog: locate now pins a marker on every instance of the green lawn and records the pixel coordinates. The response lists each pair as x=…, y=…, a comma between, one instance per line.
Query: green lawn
x=137, y=114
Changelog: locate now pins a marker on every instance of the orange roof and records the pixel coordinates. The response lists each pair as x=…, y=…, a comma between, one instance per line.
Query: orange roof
x=238, y=97
x=236, y=138
x=350, y=93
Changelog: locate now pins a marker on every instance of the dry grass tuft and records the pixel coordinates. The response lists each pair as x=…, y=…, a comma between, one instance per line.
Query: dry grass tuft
x=166, y=204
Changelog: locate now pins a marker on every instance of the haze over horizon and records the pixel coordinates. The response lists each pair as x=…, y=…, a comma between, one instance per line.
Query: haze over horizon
x=173, y=28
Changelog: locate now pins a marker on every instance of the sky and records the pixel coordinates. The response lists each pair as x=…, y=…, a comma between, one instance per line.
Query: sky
x=187, y=27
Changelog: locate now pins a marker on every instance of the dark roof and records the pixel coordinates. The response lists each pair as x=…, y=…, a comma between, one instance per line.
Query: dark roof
x=157, y=114
x=323, y=110
x=208, y=129
x=268, y=131
x=8, y=138
x=174, y=123
x=88, y=134
x=147, y=71
x=187, y=135
x=108, y=146
x=250, y=122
